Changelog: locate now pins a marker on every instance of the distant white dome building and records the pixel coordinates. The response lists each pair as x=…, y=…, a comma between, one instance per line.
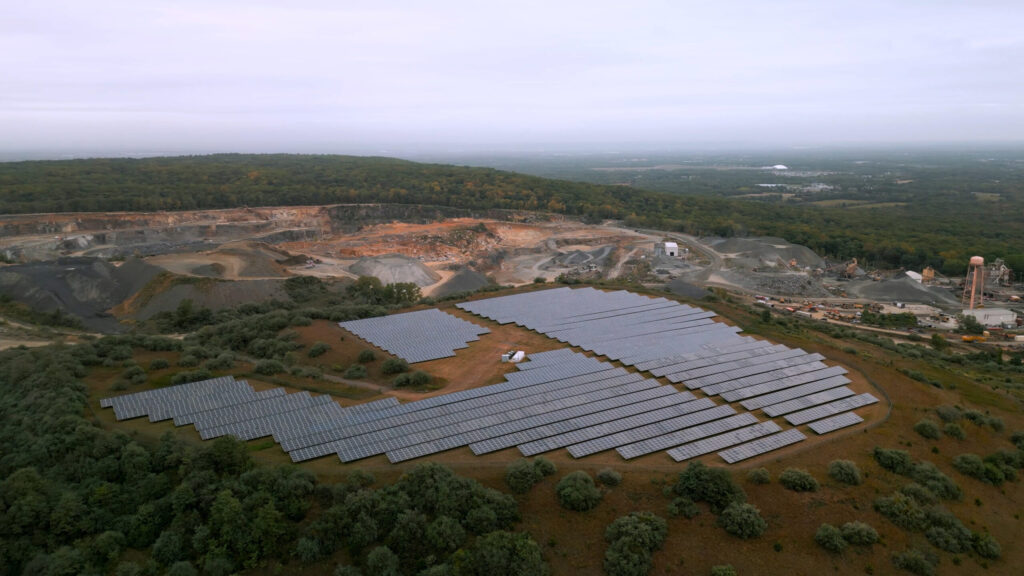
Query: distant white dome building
x=780, y=167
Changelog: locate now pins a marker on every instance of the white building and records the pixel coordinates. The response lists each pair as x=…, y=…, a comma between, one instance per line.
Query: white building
x=993, y=316
x=666, y=249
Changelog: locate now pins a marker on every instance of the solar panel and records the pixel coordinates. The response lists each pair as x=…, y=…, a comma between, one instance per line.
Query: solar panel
x=807, y=401
x=714, y=443
x=762, y=445
x=417, y=336
x=669, y=439
x=836, y=422
x=819, y=412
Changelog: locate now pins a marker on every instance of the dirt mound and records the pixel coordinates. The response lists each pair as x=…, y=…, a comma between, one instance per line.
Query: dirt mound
x=766, y=251
x=82, y=287
x=465, y=280
x=685, y=289
x=212, y=294
x=596, y=256
x=903, y=290
x=395, y=268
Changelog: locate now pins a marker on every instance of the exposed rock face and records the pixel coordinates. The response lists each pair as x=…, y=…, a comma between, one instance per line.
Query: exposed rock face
x=395, y=268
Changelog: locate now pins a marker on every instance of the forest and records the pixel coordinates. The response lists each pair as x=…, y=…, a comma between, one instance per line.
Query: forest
x=938, y=218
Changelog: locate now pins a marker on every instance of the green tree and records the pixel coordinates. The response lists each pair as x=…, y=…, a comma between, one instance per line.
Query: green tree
x=577, y=491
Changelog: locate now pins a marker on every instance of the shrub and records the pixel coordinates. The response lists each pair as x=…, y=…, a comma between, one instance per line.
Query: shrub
x=1018, y=439
x=159, y=364
x=798, y=480
x=896, y=461
x=347, y=570
x=712, y=485
x=577, y=491
x=318, y=349
x=903, y=511
x=949, y=413
x=683, y=506
x=859, y=533
x=759, y=476
x=919, y=493
x=521, y=475
x=742, y=520
x=723, y=570
x=544, y=466
x=830, y=538
x=419, y=378
x=954, y=430
x=926, y=474
x=916, y=561
x=382, y=562
x=356, y=371
x=268, y=367
x=223, y=361
x=845, y=471
x=643, y=529
x=182, y=568
x=624, y=558
x=986, y=546
x=927, y=429
x=367, y=356
x=394, y=366
x=609, y=477
x=947, y=532
x=970, y=465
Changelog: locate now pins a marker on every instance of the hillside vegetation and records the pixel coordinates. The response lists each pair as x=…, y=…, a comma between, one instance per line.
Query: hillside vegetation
x=942, y=233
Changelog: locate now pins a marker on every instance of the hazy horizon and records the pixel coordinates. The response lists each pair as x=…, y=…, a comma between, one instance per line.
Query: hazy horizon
x=115, y=78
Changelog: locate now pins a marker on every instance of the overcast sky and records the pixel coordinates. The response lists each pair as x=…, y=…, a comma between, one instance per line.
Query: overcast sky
x=152, y=76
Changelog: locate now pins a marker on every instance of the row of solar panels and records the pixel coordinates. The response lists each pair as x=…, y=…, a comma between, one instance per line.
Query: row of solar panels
x=225, y=406
x=417, y=336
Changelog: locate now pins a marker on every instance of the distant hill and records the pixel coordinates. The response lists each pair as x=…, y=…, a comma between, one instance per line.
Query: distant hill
x=937, y=235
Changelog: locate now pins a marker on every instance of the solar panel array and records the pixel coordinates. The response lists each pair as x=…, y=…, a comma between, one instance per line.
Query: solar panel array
x=685, y=345
x=225, y=406
x=417, y=336
x=555, y=400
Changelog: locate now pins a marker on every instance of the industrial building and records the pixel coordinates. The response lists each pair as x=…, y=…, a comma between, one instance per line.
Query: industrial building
x=993, y=317
x=666, y=249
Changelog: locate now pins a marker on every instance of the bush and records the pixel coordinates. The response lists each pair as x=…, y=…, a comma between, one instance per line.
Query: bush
x=919, y=493
x=712, y=485
x=318, y=349
x=845, y=471
x=632, y=540
x=643, y=529
x=798, y=480
x=159, y=364
x=382, y=562
x=367, y=356
x=954, y=430
x=896, y=461
x=949, y=413
x=915, y=561
x=521, y=475
x=926, y=474
x=723, y=570
x=903, y=511
x=544, y=466
x=412, y=380
x=859, y=533
x=970, y=465
x=394, y=366
x=182, y=568
x=927, y=429
x=986, y=546
x=683, y=506
x=830, y=538
x=577, y=491
x=356, y=371
x=269, y=367
x=742, y=520
x=759, y=476
x=609, y=477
